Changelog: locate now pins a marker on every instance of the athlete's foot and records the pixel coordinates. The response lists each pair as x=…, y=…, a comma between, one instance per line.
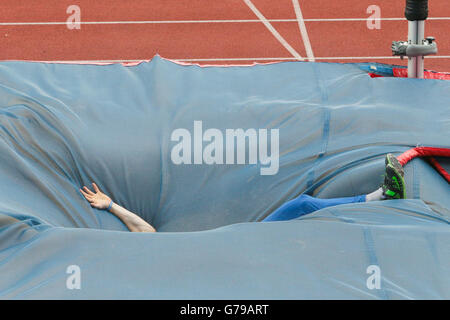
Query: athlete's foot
x=394, y=183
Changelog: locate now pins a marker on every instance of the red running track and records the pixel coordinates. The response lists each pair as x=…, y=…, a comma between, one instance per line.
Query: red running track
x=213, y=42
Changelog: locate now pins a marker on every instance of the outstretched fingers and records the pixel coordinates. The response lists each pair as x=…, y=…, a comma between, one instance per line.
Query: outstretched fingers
x=86, y=195
x=89, y=192
x=96, y=189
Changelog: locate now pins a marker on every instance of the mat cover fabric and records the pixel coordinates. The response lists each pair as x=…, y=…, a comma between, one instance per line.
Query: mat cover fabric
x=63, y=126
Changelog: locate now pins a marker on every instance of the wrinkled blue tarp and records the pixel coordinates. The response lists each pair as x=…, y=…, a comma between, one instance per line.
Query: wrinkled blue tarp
x=64, y=126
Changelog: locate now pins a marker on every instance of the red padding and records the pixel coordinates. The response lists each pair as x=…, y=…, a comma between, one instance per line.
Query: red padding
x=427, y=152
x=403, y=73
x=439, y=168
x=374, y=75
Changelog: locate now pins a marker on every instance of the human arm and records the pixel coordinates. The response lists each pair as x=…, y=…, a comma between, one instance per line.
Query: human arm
x=101, y=201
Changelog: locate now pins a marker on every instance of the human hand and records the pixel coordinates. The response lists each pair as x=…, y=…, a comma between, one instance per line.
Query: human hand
x=98, y=199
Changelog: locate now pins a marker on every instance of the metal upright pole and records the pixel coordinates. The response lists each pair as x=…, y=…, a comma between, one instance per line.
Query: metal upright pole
x=412, y=39
x=416, y=48
x=416, y=13
x=421, y=41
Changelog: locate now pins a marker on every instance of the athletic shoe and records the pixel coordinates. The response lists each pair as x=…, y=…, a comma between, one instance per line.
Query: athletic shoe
x=394, y=183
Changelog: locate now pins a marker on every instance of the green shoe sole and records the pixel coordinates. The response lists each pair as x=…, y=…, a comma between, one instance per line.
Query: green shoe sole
x=394, y=184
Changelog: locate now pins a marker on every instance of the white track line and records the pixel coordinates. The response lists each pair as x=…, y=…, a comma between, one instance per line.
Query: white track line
x=272, y=30
x=365, y=19
x=227, y=59
x=303, y=32
x=290, y=59
x=205, y=21
x=144, y=22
